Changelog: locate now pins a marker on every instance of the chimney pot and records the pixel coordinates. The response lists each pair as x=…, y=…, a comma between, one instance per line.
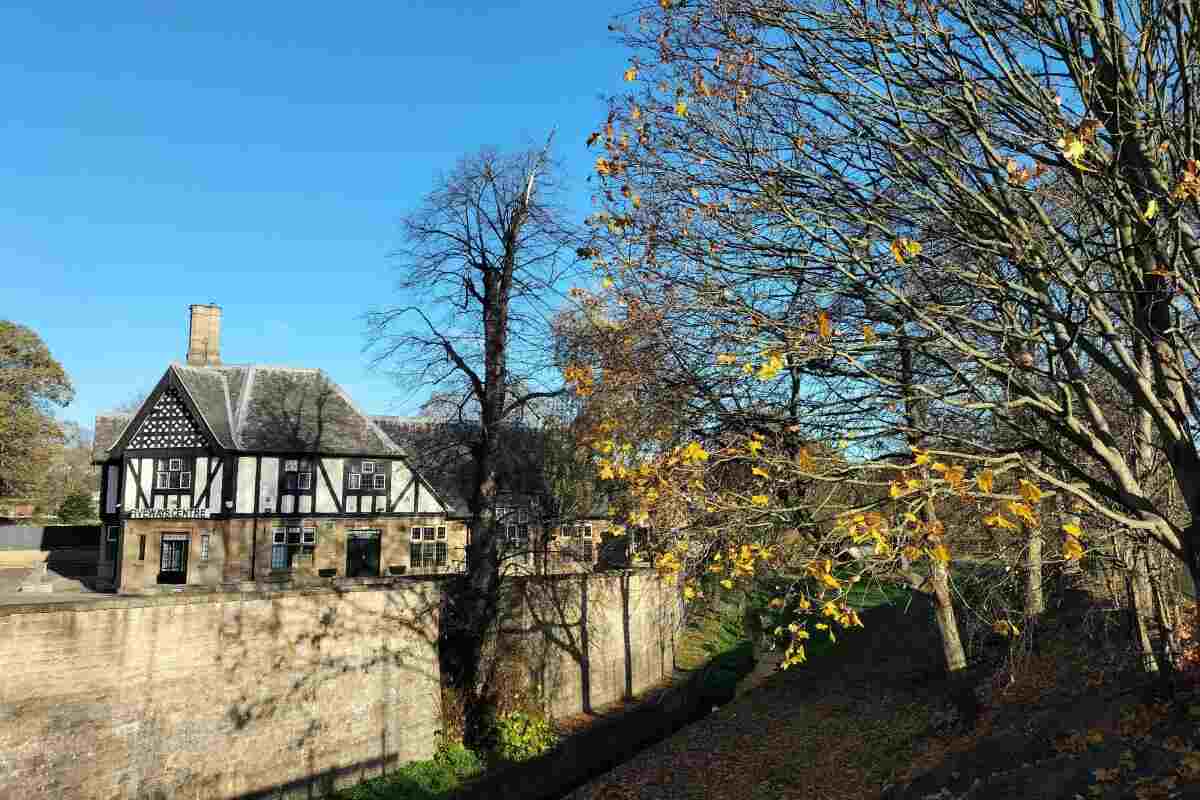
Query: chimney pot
x=204, y=335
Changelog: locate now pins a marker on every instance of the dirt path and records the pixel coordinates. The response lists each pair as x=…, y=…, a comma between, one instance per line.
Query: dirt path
x=834, y=728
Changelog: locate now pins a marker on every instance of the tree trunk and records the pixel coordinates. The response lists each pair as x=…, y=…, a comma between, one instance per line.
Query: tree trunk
x=1140, y=597
x=947, y=622
x=1035, y=601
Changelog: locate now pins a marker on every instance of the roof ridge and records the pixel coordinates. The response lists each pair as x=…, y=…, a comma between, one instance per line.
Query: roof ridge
x=247, y=390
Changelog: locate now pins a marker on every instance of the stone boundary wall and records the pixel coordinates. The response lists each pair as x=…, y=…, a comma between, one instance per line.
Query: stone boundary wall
x=594, y=639
x=217, y=695
x=290, y=693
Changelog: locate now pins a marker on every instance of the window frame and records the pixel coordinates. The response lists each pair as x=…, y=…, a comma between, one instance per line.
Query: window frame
x=173, y=475
x=367, y=477
x=205, y=545
x=289, y=541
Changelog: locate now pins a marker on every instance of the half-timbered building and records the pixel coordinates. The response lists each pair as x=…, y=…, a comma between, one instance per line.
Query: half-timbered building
x=235, y=473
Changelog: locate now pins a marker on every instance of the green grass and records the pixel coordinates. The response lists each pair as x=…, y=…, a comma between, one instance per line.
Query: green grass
x=434, y=779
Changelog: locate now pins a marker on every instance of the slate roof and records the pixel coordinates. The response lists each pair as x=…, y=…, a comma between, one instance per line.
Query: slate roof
x=440, y=452
x=268, y=409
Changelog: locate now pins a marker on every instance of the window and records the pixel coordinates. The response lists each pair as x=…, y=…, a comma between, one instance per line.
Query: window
x=297, y=475
x=173, y=474
x=366, y=477
x=516, y=540
x=579, y=543
x=290, y=544
x=428, y=548
x=142, y=547
x=204, y=542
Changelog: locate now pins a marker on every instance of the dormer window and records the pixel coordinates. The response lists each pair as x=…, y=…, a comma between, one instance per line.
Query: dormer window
x=172, y=474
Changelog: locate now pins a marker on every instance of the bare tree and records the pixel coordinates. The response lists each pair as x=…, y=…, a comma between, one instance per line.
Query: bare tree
x=483, y=259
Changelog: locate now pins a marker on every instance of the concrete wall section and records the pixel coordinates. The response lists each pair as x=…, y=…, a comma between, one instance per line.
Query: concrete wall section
x=216, y=696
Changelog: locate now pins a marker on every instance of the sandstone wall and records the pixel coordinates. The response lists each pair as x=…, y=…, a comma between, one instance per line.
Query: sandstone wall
x=216, y=696
x=229, y=695
x=591, y=640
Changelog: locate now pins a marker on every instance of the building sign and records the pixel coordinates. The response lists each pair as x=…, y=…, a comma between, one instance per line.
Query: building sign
x=169, y=513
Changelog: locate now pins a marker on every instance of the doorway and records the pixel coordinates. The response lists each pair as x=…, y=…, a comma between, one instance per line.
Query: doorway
x=173, y=558
x=362, y=554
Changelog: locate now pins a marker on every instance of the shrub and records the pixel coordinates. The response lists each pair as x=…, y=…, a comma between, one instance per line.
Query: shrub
x=521, y=736
x=438, y=777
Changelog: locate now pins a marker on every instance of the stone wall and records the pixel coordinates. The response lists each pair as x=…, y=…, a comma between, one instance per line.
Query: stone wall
x=590, y=640
x=229, y=695
x=216, y=696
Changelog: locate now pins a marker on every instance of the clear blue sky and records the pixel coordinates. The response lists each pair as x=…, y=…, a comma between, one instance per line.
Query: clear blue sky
x=257, y=155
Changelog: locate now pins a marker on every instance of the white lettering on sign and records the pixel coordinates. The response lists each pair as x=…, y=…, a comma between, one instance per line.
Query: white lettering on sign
x=169, y=513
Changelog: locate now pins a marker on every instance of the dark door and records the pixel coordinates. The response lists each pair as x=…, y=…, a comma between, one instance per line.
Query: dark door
x=362, y=554
x=172, y=563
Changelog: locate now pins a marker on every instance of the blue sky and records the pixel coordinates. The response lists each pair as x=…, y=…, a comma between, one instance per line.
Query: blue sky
x=257, y=155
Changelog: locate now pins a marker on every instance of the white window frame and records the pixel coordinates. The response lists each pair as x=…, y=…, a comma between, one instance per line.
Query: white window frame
x=368, y=468
x=205, y=539
x=279, y=536
x=162, y=480
x=185, y=480
x=291, y=465
x=303, y=481
x=174, y=464
x=308, y=537
x=380, y=481
x=355, y=481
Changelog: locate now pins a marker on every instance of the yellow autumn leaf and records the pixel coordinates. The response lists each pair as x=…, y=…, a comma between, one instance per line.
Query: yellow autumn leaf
x=606, y=472
x=681, y=108
x=955, y=475
x=726, y=358
x=770, y=368
x=830, y=581
x=694, y=453
x=869, y=335
x=904, y=248
x=602, y=166
x=824, y=326
x=607, y=283
x=805, y=460
x=631, y=74
x=688, y=593
x=1030, y=491
x=754, y=445
x=1072, y=548
x=1072, y=529
x=1072, y=147
x=894, y=490
x=920, y=457
x=998, y=521
x=1151, y=210
x=759, y=500
x=760, y=472
x=985, y=480
x=940, y=553
x=728, y=584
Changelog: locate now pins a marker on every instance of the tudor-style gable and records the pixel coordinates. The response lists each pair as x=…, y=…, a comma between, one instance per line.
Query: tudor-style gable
x=168, y=425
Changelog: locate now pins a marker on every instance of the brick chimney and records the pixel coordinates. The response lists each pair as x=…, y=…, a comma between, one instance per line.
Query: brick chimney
x=204, y=336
